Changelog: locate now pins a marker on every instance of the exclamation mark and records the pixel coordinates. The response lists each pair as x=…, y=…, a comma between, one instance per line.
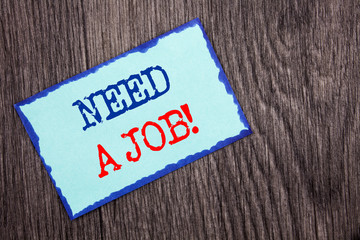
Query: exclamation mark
x=186, y=110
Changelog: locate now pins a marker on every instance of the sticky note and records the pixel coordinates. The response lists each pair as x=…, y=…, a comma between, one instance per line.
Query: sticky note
x=133, y=119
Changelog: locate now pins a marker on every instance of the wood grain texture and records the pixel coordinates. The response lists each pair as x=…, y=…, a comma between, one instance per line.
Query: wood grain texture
x=295, y=69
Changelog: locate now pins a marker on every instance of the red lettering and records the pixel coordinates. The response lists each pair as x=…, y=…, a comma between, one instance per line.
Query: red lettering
x=172, y=127
x=137, y=148
x=161, y=131
x=187, y=113
x=184, y=118
x=109, y=161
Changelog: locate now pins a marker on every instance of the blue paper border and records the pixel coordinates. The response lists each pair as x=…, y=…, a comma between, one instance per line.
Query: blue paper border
x=169, y=168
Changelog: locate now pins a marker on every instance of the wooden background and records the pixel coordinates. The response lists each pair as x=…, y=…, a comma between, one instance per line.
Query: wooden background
x=295, y=69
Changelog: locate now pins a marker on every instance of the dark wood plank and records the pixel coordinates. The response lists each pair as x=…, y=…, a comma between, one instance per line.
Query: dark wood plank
x=294, y=67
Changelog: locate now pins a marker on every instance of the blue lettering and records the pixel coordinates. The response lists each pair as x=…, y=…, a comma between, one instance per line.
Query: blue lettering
x=126, y=95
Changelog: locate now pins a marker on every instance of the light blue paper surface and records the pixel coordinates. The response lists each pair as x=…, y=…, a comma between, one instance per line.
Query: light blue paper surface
x=70, y=154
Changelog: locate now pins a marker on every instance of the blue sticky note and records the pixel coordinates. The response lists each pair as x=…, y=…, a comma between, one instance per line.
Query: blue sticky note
x=135, y=118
